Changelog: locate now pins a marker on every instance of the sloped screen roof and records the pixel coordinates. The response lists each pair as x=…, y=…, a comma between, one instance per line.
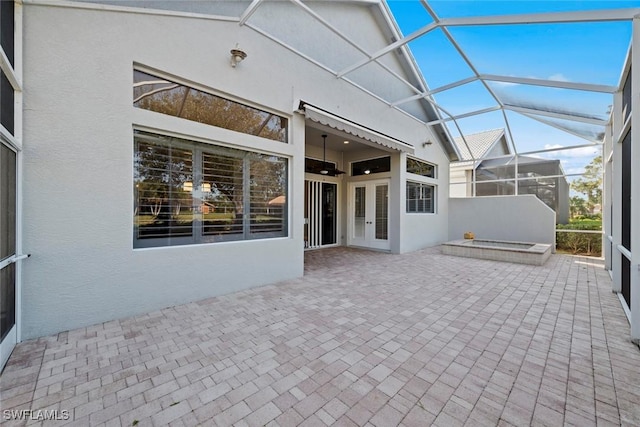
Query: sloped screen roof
x=544, y=71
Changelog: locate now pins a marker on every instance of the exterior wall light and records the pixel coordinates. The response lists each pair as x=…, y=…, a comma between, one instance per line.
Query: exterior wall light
x=237, y=56
x=427, y=142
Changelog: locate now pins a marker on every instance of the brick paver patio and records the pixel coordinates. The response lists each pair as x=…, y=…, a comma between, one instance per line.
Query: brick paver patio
x=366, y=339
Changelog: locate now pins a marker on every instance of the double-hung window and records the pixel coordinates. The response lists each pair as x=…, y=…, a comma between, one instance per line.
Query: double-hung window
x=420, y=197
x=188, y=192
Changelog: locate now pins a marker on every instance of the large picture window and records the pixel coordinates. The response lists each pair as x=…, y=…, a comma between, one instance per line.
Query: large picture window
x=420, y=198
x=187, y=192
x=164, y=96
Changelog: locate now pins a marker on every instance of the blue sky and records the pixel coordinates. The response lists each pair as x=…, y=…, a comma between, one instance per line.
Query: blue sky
x=582, y=52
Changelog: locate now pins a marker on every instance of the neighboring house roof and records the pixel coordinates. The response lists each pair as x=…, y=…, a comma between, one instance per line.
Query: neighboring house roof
x=479, y=143
x=280, y=200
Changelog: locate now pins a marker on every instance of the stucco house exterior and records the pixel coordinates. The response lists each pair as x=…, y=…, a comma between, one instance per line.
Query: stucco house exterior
x=154, y=153
x=157, y=167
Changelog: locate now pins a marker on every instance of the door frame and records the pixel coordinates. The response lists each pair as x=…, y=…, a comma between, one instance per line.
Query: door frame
x=13, y=337
x=368, y=242
x=329, y=180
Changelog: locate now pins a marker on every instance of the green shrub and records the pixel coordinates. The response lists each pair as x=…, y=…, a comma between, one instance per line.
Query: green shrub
x=580, y=243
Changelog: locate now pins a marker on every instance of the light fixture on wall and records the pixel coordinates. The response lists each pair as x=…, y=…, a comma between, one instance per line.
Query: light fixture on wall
x=427, y=142
x=237, y=56
x=324, y=170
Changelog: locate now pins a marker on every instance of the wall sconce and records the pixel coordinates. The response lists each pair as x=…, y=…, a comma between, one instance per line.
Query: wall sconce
x=427, y=142
x=237, y=56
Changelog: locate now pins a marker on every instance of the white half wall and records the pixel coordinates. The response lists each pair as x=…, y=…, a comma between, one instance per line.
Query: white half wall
x=516, y=218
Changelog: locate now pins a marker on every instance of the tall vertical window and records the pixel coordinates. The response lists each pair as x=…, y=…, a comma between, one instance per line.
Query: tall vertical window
x=188, y=192
x=420, y=198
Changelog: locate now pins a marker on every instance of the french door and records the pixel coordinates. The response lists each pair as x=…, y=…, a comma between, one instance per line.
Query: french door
x=369, y=214
x=8, y=182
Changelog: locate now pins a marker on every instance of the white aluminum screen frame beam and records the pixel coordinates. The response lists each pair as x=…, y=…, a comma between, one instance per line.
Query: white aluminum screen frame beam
x=465, y=115
x=249, y=11
x=555, y=115
x=550, y=83
x=604, y=15
x=557, y=17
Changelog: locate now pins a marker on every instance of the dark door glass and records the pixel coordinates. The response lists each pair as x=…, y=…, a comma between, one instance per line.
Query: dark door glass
x=329, y=213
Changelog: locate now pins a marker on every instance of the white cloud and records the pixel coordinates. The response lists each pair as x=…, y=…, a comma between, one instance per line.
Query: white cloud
x=559, y=77
x=571, y=153
x=498, y=84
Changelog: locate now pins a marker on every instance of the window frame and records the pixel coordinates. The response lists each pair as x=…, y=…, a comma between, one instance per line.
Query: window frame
x=435, y=167
x=434, y=189
x=352, y=163
x=200, y=147
x=210, y=91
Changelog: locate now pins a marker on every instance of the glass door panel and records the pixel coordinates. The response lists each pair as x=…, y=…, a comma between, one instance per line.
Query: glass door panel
x=329, y=217
x=359, y=215
x=382, y=212
x=7, y=252
x=320, y=214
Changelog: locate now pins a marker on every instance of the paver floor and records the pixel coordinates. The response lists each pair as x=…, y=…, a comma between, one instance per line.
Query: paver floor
x=363, y=339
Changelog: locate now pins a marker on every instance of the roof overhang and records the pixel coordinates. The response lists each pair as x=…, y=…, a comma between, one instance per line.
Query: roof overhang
x=367, y=135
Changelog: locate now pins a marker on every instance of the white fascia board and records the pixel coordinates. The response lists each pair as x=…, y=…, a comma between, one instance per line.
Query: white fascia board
x=386, y=13
x=545, y=18
x=550, y=83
